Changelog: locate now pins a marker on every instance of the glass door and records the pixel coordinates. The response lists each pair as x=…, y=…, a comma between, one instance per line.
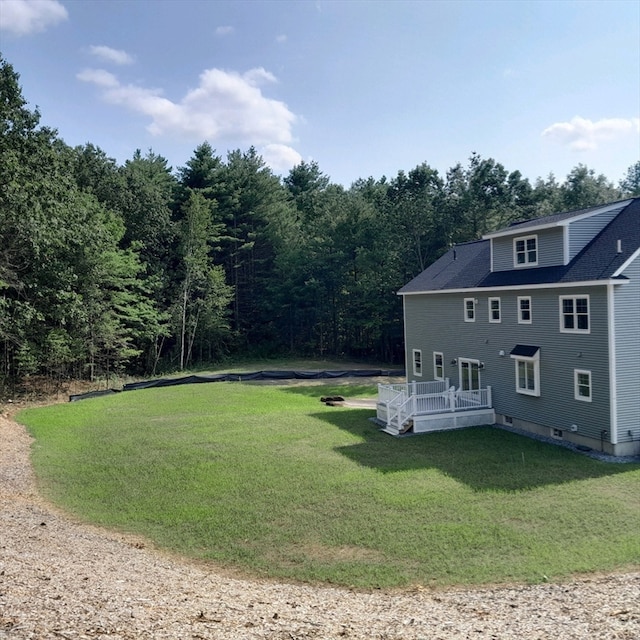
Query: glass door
x=469, y=374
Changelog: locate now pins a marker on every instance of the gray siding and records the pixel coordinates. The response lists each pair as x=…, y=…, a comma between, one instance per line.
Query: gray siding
x=436, y=323
x=627, y=328
x=550, y=249
x=582, y=232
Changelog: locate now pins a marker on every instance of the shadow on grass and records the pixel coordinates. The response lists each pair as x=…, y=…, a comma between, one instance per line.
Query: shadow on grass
x=483, y=458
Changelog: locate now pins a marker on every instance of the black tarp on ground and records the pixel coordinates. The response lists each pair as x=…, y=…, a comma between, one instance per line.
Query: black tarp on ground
x=262, y=375
x=243, y=377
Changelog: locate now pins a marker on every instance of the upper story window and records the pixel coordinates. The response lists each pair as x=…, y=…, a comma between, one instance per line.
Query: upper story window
x=525, y=251
x=417, y=362
x=574, y=314
x=438, y=366
x=524, y=310
x=495, y=314
x=469, y=310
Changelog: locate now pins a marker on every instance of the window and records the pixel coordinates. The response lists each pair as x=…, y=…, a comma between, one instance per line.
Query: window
x=582, y=385
x=525, y=251
x=469, y=310
x=524, y=310
x=417, y=362
x=574, y=314
x=494, y=310
x=438, y=366
x=527, y=362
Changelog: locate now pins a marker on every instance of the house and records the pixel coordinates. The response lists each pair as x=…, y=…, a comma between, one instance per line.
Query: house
x=543, y=318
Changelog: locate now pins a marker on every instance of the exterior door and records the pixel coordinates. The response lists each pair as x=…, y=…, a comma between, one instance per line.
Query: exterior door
x=469, y=374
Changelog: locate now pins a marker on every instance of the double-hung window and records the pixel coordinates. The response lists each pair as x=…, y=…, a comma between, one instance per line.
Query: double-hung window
x=438, y=366
x=582, y=385
x=494, y=310
x=417, y=362
x=524, y=310
x=574, y=314
x=469, y=310
x=525, y=251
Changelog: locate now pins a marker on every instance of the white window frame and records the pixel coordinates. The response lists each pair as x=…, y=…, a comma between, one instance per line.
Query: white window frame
x=535, y=364
x=577, y=385
x=437, y=366
x=499, y=310
x=472, y=309
x=470, y=366
x=574, y=314
x=525, y=252
x=417, y=362
x=521, y=320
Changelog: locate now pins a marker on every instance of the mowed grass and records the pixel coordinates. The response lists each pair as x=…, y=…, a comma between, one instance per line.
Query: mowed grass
x=268, y=480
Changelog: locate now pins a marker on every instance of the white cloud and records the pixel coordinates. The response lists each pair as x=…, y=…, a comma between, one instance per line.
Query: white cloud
x=98, y=76
x=23, y=17
x=580, y=134
x=280, y=157
x=117, y=56
x=224, y=31
x=226, y=105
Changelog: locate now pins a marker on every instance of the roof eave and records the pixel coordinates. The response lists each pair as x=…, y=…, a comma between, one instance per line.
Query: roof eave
x=519, y=287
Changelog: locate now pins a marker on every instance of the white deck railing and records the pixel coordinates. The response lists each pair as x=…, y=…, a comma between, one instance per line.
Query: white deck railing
x=405, y=401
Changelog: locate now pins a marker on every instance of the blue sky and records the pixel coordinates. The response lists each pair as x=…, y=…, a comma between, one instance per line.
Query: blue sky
x=362, y=88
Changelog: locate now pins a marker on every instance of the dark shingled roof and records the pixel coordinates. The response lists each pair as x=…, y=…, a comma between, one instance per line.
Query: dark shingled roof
x=467, y=265
x=566, y=215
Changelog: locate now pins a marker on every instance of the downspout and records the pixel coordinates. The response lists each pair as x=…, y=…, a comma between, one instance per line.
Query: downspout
x=613, y=383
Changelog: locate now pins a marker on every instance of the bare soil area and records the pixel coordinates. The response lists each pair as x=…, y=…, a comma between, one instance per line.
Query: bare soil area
x=63, y=579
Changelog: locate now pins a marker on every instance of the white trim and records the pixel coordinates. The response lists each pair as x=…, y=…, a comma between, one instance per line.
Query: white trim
x=627, y=262
x=526, y=264
x=576, y=394
x=473, y=310
x=519, y=287
x=435, y=366
x=574, y=297
x=535, y=360
x=416, y=373
x=489, y=301
x=621, y=204
x=565, y=245
x=491, y=256
x=520, y=318
x=613, y=383
x=471, y=362
x=404, y=334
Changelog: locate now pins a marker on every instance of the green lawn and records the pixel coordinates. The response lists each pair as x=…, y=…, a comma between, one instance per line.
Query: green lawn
x=269, y=480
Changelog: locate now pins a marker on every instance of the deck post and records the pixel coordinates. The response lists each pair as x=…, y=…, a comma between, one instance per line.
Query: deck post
x=489, y=403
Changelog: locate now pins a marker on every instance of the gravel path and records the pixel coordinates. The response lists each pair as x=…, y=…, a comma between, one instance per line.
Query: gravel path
x=62, y=579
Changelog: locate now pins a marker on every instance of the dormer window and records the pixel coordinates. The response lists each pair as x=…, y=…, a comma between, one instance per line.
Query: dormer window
x=525, y=251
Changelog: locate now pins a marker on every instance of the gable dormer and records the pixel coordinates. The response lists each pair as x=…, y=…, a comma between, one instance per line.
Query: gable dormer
x=551, y=241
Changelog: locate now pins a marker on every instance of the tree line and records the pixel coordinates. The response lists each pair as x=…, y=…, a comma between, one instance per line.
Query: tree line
x=137, y=268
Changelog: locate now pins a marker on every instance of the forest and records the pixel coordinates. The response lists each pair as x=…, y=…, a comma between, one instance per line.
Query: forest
x=141, y=269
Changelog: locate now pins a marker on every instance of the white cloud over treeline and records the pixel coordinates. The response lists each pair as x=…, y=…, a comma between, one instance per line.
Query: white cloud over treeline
x=23, y=17
x=581, y=134
x=225, y=106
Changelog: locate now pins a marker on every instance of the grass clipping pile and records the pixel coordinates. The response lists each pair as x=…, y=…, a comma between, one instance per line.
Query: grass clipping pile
x=62, y=579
